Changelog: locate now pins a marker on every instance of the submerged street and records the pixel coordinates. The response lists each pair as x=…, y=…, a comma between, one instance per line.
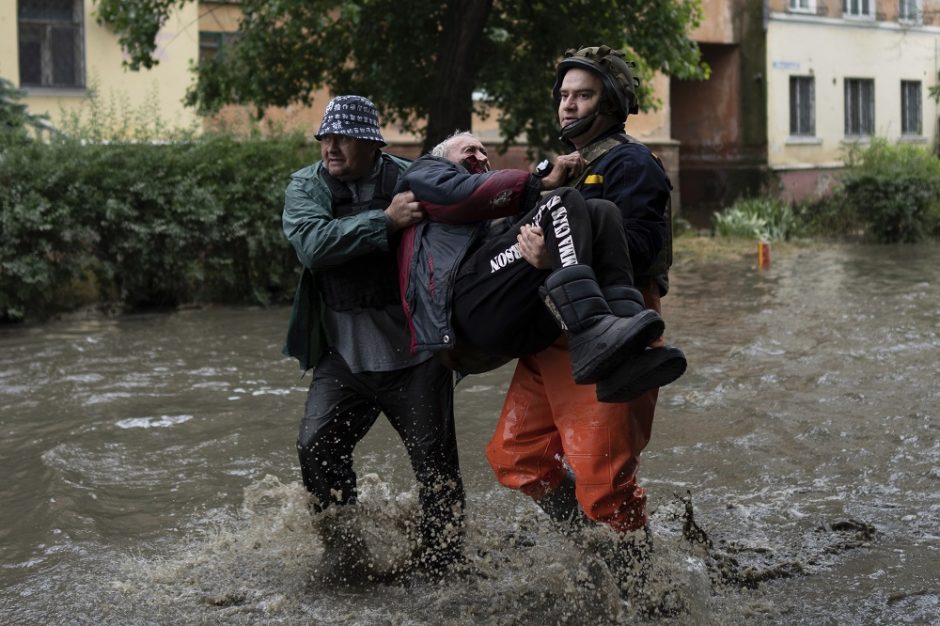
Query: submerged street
x=151, y=473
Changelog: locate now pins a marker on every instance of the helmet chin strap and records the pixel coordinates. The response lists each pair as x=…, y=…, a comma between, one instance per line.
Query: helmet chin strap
x=578, y=127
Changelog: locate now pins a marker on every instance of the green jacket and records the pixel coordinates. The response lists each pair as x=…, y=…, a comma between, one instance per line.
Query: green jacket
x=322, y=241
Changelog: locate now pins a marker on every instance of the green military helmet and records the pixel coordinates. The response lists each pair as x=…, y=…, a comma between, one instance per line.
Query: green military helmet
x=620, y=84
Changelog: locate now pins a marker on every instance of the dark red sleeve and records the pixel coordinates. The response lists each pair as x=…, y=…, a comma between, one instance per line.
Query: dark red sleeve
x=500, y=194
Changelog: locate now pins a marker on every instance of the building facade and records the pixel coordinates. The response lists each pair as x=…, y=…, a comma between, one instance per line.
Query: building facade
x=59, y=55
x=720, y=123
x=840, y=72
x=795, y=84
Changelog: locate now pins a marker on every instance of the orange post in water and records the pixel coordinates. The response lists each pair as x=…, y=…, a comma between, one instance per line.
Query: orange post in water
x=763, y=254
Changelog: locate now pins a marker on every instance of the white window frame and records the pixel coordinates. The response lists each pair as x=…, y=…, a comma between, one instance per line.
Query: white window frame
x=856, y=9
x=798, y=98
x=853, y=110
x=802, y=6
x=918, y=8
x=915, y=106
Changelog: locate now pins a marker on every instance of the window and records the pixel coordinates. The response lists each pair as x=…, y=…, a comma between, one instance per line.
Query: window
x=802, y=106
x=859, y=106
x=803, y=6
x=858, y=8
x=50, y=43
x=211, y=43
x=909, y=10
x=910, y=108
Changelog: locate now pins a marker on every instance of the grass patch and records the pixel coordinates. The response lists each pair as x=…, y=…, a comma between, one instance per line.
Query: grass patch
x=701, y=248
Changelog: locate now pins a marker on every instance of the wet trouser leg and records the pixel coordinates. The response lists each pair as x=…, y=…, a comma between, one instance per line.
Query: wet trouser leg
x=547, y=417
x=418, y=401
x=566, y=225
x=338, y=413
x=587, y=232
x=422, y=412
x=496, y=303
x=611, y=253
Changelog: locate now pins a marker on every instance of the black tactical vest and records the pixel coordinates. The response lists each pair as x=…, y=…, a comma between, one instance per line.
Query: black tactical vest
x=369, y=281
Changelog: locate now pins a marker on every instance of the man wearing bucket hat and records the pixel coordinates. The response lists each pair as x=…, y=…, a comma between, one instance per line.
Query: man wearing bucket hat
x=554, y=441
x=344, y=219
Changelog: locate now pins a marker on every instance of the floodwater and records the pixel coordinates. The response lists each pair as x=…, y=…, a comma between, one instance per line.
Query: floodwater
x=149, y=474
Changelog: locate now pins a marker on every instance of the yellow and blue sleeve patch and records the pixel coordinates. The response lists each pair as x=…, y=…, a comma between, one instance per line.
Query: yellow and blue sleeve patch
x=594, y=179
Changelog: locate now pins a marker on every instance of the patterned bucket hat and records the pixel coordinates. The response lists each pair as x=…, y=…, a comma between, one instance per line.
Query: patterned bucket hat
x=352, y=116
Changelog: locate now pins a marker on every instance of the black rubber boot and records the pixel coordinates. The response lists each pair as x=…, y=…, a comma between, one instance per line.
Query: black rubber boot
x=561, y=505
x=624, y=301
x=440, y=550
x=597, y=340
x=655, y=367
x=629, y=558
x=347, y=559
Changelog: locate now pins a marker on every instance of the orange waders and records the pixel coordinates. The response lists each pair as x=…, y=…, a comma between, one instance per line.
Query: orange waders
x=547, y=417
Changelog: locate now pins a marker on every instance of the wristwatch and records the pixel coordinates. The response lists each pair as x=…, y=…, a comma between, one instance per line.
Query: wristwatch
x=543, y=169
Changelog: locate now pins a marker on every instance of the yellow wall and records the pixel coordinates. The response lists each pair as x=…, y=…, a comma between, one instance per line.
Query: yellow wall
x=9, y=57
x=219, y=17
x=881, y=51
x=177, y=47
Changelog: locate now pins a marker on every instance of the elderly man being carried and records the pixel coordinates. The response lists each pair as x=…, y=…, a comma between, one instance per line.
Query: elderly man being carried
x=471, y=297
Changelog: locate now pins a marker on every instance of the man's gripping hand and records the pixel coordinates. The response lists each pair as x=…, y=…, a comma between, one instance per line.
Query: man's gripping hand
x=403, y=211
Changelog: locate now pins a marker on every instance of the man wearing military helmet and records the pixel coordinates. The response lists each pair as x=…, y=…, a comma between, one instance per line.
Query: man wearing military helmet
x=617, y=98
x=555, y=442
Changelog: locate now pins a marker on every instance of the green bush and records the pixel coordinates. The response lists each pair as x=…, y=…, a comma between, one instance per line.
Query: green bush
x=765, y=218
x=887, y=193
x=829, y=216
x=16, y=122
x=145, y=224
x=895, y=191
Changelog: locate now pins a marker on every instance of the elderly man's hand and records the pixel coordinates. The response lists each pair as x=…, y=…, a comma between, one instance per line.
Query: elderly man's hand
x=566, y=167
x=404, y=211
x=532, y=247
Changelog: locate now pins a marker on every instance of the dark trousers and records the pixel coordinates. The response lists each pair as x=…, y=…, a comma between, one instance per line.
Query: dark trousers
x=418, y=401
x=496, y=303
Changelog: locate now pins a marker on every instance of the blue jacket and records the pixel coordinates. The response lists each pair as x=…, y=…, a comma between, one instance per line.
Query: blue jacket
x=634, y=179
x=459, y=206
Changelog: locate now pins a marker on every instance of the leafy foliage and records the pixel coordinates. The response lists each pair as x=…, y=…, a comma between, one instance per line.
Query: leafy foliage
x=112, y=117
x=145, y=225
x=766, y=218
x=888, y=194
x=137, y=23
x=419, y=59
x=15, y=120
x=830, y=217
x=895, y=191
